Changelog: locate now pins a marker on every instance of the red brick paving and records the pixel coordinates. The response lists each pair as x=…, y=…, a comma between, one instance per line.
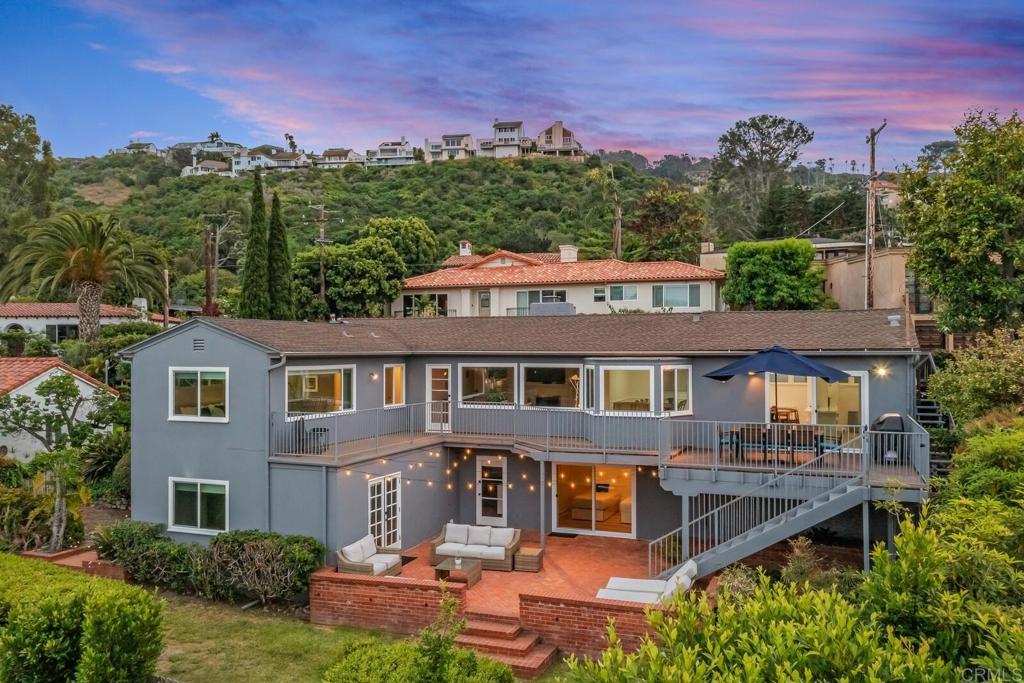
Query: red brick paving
x=572, y=566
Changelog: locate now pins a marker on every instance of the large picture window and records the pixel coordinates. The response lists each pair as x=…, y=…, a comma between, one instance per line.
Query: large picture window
x=551, y=387
x=675, y=389
x=626, y=389
x=198, y=505
x=321, y=390
x=394, y=385
x=199, y=394
x=487, y=384
x=676, y=296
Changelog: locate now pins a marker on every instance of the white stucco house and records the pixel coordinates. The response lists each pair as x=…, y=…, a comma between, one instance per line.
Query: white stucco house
x=339, y=157
x=22, y=377
x=59, y=321
x=391, y=153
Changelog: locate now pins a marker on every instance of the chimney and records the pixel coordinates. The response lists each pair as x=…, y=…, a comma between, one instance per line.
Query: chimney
x=707, y=247
x=567, y=253
x=465, y=248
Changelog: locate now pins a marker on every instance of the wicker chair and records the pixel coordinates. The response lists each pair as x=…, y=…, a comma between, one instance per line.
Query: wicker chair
x=365, y=565
x=502, y=565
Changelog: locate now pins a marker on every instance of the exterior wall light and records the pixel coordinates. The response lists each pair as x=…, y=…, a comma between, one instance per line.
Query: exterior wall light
x=374, y=376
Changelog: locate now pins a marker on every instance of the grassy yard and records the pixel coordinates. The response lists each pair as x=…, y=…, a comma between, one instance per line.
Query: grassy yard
x=211, y=642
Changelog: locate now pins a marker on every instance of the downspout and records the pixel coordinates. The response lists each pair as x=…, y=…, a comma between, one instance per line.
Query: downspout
x=266, y=488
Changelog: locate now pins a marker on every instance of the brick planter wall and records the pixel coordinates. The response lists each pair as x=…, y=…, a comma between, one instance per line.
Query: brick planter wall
x=389, y=603
x=104, y=568
x=579, y=626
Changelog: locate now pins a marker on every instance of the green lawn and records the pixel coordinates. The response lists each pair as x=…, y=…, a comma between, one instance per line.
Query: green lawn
x=212, y=642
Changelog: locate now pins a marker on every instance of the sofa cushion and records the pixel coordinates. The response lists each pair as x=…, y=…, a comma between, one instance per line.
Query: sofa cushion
x=679, y=582
x=449, y=549
x=479, y=535
x=456, y=533
x=354, y=552
x=474, y=551
x=368, y=546
x=493, y=552
x=501, y=536
x=379, y=568
x=390, y=560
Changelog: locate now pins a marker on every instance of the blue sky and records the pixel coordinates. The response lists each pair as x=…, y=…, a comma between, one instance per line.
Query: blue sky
x=656, y=77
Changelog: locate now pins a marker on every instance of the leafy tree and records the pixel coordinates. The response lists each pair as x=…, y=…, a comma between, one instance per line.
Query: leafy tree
x=982, y=377
x=753, y=157
x=773, y=276
x=935, y=153
x=670, y=222
x=26, y=169
x=255, y=284
x=61, y=477
x=604, y=179
x=682, y=168
x=785, y=213
x=634, y=159
x=279, y=266
x=363, y=278
x=967, y=225
x=414, y=241
x=89, y=254
x=54, y=417
x=523, y=238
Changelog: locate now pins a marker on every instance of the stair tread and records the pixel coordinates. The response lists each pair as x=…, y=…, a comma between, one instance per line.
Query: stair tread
x=477, y=615
x=492, y=628
x=522, y=644
x=530, y=665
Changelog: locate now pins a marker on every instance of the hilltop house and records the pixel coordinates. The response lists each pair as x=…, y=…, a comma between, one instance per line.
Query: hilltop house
x=21, y=377
x=449, y=147
x=559, y=141
x=510, y=284
x=216, y=145
x=136, y=147
x=509, y=140
x=337, y=157
x=207, y=167
x=268, y=157
x=391, y=153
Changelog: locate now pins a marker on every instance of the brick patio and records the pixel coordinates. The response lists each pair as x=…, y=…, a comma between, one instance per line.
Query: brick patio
x=572, y=567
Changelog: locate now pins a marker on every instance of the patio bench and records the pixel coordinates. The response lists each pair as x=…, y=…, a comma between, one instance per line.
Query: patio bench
x=495, y=547
x=365, y=557
x=649, y=591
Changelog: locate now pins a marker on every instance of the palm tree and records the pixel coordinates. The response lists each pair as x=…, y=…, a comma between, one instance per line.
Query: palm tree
x=87, y=254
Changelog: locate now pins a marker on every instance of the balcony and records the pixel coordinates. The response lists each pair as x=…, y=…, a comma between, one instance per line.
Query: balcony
x=640, y=438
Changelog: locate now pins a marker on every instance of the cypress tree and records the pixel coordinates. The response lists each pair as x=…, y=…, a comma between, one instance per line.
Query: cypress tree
x=279, y=266
x=255, y=301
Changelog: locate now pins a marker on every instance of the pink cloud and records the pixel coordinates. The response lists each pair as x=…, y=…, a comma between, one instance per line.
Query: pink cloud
x=160, y=67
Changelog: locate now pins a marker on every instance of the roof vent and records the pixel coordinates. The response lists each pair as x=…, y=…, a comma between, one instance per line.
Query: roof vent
x=346, y=333
x=894, y=320
x=696, y=317
x=375, y=335
x=198, y=344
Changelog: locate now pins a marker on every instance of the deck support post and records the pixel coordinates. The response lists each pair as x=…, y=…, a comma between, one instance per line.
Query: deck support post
x=865, y=511
x=685, y=529
x=541, y=488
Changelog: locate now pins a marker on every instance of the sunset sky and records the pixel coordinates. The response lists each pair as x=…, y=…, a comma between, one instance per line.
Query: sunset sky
x=655, y=77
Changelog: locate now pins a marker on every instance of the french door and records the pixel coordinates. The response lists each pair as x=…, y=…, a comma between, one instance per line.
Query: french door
x=439, y=398
x=491, y=480
x=385, y=496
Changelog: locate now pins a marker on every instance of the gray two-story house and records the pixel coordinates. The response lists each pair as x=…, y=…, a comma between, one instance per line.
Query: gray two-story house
x=602, y=425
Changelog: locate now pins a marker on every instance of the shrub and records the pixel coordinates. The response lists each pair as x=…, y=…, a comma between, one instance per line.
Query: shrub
x=121, y=479
x=103, y=451
x=739, y=580
x=376, y=662
x=988, y=374
x=57, y=625
x=265, y=565
x=990, y=464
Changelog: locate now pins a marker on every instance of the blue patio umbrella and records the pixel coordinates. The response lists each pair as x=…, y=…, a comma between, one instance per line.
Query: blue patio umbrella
x=781, y=361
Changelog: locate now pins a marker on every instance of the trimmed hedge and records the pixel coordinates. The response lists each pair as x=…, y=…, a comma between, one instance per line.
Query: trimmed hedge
x=57, y=625
x=263, y=565
x=371, y=661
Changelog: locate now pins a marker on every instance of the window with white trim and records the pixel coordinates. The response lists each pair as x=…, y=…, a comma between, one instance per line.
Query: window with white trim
x=675, y=389
x=599, y=295
x=321, y=390
x=198, y=505
x=676, y=296
x=622, y=293
x=394, y=385
x=487, y=384
x=199, y=394
x=550, y=386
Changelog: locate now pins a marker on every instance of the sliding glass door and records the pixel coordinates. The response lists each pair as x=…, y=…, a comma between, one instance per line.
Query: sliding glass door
x=594, y=499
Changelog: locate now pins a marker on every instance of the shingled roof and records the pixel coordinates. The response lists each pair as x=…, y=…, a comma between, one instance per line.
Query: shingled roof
x=637, y=334
x=457, y=260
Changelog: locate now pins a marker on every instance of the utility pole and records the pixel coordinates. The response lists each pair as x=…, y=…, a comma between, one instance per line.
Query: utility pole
x=167, y=298
x=216, y=224
x=322, y=241
x=869, y=232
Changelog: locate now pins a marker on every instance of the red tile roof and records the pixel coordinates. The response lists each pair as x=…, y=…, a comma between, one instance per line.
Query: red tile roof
x=15, y=372
x=578, y=272
x=61, y=310
x=543, y=256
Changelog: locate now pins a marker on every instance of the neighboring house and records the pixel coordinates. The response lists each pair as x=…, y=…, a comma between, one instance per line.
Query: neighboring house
x=582, y=425
x=391, y=153
x=268, y=158
x=337, y=157
x=449, y=147
x=825, y=248
x=509, y=284
x=217, y=145
x=207, y=167
x=59, y=321
x=559, y=141
x=509, y=140
x=21, y=377
x=466, y=256
x=136, y=147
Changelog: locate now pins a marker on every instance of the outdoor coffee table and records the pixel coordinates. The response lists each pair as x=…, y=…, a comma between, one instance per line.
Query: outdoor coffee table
x=468, y=573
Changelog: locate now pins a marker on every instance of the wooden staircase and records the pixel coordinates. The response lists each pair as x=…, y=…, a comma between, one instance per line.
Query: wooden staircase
x=503, y=639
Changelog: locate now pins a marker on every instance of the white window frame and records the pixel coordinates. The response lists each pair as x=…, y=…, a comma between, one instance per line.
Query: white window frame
x=384, y=376
x=173, y=417
x=382, y=479
x=601, y=292
x=171, y=481
x=650, y=388
x=689, y=302
x=689, y=388
x=514, y=403
x=589, y=388
x=522, y=384
x=339, y=368
x=636, y=293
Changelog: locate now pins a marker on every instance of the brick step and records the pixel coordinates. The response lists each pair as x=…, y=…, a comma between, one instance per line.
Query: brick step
x=489, y=628
x=531, y=665
x=471, y=615
x=521, y=644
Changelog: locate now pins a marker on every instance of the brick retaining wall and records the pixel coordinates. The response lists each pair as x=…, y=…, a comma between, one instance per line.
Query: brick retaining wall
x=580, y=626
x=390, y=603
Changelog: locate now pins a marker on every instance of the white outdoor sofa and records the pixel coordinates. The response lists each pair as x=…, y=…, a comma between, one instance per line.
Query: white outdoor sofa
x=495, y=547
x=649, y=591
x=364, y=557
